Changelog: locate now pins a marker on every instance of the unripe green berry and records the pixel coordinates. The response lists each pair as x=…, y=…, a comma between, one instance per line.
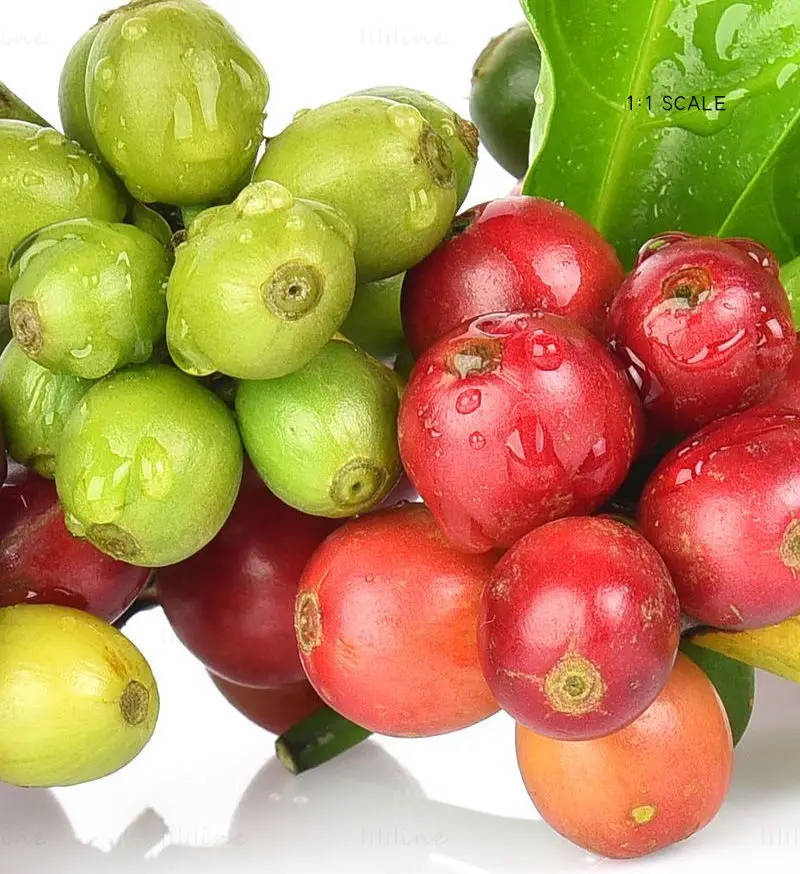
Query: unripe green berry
x=324, y=438
x=149, y=466
x=381, y=164
x=259, y=286
x=175, y=101
x=374, y=322
x=89, y=296
x=34, y=406
x=460, y=135
x=72, y=94
x=46, y=178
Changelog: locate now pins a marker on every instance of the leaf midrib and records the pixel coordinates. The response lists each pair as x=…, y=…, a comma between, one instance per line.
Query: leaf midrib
x=621, y=143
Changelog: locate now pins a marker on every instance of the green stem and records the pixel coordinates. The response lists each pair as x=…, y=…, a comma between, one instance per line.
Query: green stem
x=317, y=739
x=12, y=106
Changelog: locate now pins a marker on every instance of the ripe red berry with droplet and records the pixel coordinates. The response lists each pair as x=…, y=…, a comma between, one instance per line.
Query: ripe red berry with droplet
x=704, y=327
x=41, y=562
x=515, y=420
x=723, y=509
x=517, y=253
x=579, y=628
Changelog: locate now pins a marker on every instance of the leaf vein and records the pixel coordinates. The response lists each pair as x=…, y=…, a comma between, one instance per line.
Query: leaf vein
x=623, y=134
x=590, y=87
x=756, y=179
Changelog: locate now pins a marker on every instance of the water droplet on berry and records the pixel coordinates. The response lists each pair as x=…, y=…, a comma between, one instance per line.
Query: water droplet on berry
x=775, y=328
x=133, y=29
x=515, y=447
x=83, y=352
x=422, y=210
x=154, y=469
x=105, y=73
x=546, y=350
x=487, y=326
x=50, y=137
x=683, y=476
x=263, y=198
x=468, y=401
x=477, y=440
x=405, y=117
x=760, y=254
x=659, y=242
x=101, y=493
x=182, y=118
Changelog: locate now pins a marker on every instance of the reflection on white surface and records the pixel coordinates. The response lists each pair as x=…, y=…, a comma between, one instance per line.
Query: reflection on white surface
x=207, y=796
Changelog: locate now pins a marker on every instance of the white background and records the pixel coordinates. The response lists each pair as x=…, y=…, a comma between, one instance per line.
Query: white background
x=207, y=795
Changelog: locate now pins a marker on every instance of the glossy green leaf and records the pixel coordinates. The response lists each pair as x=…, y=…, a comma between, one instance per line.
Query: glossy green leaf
x=637, y=172
x=790, y=277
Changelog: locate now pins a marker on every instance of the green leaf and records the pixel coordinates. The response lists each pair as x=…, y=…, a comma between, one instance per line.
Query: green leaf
x=790, y=277
x=14, y=107
x=734, y=681
x=636, y=172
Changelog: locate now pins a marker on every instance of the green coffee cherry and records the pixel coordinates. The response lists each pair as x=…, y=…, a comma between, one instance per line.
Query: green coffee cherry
x=78, y=701
x=176, y=101
x=324, y=439
x=460, y=135
x=72, y=94
x=373, y=322
x=151, y=222
x=382, y=165
x=502, y=103
x=34, y=405
x=46, y=178
x=149, y=466
x=89, y=296
x=259, y=286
